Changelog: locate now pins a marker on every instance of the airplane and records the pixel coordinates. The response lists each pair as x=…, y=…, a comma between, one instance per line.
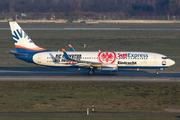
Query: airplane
x=105, y=61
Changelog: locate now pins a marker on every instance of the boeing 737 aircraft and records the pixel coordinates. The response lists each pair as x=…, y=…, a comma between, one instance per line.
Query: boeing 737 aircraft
x=105, y=61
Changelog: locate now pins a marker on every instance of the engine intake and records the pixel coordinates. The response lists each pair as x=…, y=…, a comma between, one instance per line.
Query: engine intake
x=108, y=68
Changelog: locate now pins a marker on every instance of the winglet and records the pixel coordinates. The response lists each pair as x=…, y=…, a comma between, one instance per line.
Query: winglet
x=63, y=50
x=71, y=48
x=66, y=55
x=70, y=45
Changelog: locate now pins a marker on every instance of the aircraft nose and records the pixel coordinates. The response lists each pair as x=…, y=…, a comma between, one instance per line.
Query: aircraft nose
x=171, y=62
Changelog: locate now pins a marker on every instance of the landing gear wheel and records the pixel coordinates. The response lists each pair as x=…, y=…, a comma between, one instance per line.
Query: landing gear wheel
x=91, y=72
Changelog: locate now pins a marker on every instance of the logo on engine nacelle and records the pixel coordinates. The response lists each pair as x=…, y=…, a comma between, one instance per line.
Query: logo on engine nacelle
x=107, y=57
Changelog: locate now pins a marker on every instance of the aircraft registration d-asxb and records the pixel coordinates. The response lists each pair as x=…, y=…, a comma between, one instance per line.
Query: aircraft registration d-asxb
x=106, y=61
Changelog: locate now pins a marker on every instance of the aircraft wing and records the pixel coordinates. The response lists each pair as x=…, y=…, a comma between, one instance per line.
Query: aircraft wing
x=82, y=62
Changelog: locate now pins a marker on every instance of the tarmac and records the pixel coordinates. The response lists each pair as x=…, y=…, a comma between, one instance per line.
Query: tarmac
x=82, y=75
x=84, y=113
x=95, y=28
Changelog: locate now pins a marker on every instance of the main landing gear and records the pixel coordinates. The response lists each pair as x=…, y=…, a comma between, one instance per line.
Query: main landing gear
x=157, y=72
x=91, y=72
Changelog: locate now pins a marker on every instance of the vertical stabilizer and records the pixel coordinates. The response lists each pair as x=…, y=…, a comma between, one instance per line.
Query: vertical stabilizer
x=21, y=40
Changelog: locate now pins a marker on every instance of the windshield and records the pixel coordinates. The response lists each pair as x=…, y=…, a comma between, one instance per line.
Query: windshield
x=164, y=57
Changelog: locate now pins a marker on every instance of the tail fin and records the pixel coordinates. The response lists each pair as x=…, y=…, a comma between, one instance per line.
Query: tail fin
x=21, y=40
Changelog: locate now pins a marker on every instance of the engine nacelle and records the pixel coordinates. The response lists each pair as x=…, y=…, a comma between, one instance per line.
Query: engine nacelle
x=108, y=68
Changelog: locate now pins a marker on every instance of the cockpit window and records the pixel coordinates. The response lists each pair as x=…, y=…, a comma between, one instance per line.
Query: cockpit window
x=164, y=57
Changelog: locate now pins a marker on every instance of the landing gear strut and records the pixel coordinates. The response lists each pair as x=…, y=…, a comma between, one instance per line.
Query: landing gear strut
x=157, y=72
x=91, y=71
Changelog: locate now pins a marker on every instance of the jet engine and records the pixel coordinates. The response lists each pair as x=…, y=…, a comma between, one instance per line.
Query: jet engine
x=108, y=68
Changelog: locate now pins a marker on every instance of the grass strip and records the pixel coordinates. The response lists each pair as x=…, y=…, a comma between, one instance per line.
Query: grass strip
x=77, y=96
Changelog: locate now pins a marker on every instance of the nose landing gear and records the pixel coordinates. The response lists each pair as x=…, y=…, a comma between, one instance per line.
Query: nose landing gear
x=157, y=72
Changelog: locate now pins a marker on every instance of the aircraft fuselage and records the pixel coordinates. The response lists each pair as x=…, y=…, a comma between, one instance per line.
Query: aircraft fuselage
x=146, y=60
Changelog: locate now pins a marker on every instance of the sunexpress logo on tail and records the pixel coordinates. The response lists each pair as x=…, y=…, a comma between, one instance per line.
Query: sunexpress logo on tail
x=20, y=34
x=130, y=55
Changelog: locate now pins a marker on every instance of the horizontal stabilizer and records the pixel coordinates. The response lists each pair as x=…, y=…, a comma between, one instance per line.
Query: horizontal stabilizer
x=16, y=53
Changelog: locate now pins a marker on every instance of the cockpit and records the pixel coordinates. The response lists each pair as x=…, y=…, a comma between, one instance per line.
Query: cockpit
x=165, y=58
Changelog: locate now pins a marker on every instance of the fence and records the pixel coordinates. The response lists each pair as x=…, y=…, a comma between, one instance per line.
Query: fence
x=21, y=16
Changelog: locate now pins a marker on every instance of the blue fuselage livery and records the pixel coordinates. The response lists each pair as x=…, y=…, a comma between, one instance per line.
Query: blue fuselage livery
x=105, y=61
